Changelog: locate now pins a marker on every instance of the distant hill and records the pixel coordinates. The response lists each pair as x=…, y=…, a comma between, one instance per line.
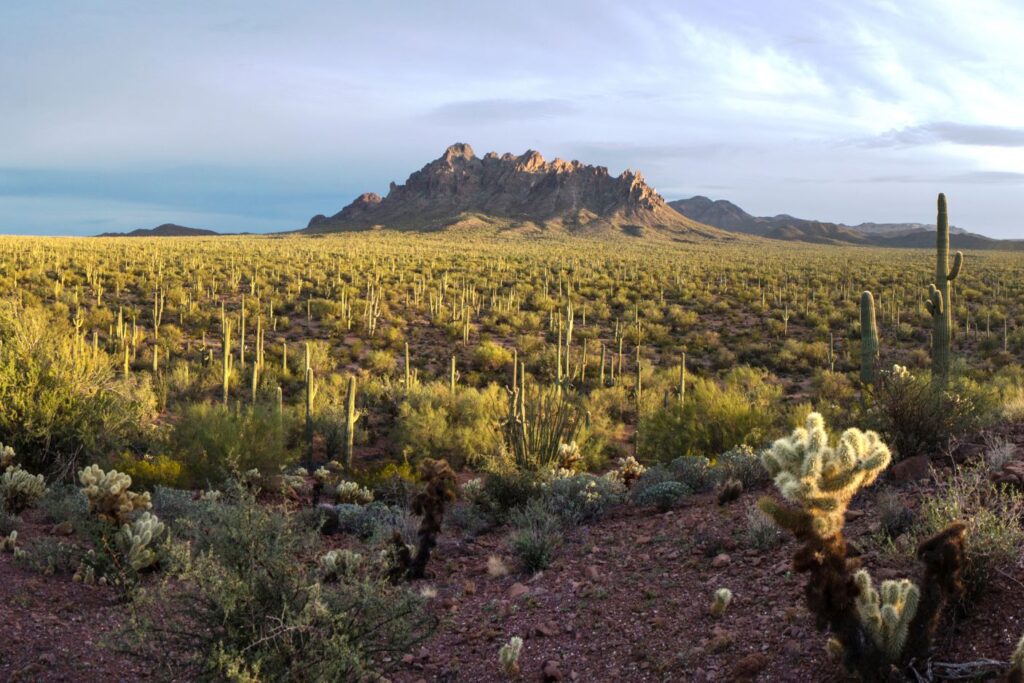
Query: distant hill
x=165, y=230
x=727, y=216
x=521, y=193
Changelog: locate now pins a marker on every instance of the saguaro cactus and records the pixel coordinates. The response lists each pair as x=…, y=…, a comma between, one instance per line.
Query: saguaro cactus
x=351, y=417
x=940, y=296
x=868, y=338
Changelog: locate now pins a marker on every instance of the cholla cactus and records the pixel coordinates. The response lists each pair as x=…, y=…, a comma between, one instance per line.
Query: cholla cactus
x=6, y=456
x=210, y=496
x=9, y=543
x=135, y=541
x=508, y=656
x=85, y=574
x=20, y=490
x=723, y=596
x=472, y=490
x=628, y=471
x=251, y=479
x=1016, y=674
x=886, y=614
x=108, y=494
x=351, y=492
x=339, y=563
x=569, y=456
x=822, y=479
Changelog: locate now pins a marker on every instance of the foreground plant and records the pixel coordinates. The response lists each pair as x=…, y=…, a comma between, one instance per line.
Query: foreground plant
x=874, y=630
x=508, y=656
x=108, y=494
x=430, y=503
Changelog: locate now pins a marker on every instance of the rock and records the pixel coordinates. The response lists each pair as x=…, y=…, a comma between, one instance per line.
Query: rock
x=749, y=667
x=516, y=590
x=911, y=469
x=721, y=560
x=592, y=572
x=469, y=588
x=547, y=629
x=550, y=672
x=720, y=640
x=63, y=529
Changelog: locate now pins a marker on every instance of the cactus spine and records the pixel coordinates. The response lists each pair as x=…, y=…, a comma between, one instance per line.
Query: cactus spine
x=940, y=296
x=868, y=339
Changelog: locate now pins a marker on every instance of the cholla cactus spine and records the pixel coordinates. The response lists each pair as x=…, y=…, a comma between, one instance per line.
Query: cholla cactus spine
x=723, y=596
x=823, y=479
x=886, y=614
x=508, y=656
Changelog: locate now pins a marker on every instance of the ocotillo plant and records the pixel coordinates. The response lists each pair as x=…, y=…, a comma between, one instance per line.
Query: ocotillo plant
x=868, y=339
x=940, y=296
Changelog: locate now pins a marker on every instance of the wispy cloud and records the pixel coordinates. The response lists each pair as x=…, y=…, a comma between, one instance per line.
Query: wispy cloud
x=490, y=111
x=949, y=132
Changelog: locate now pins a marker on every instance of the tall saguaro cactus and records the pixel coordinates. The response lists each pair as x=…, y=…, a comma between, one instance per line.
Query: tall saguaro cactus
x=351, y=416
x=940, y=296
x=868, y=338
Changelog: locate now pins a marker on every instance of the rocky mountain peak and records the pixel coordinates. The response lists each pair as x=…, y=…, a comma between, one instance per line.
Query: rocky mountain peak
x=521, y=190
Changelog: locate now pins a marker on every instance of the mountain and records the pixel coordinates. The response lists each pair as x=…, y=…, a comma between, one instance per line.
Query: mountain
x=165, y=230
x=523, y=193
x=726, y=215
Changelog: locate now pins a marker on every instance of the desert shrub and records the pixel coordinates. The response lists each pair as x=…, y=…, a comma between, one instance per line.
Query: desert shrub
x=652, y=476
x=582, y=497
x=994, y=516
x=63, y=408
x=663, y=496
x=48, y=556
x=503, y=492
x=547, y=418
x=376, y=520
x=535, y=537
x=762, y=533
x=741, y=463
x=894, y=517
x=212, y=442
x=462, y=428
x=491, y=356
x=694, y=471
x=213, y=621
x=8, y=522
x=917, y=417
x=172, y=504
x=63, y=503
x=468, y=518
x=149, y=471
x=715, y=417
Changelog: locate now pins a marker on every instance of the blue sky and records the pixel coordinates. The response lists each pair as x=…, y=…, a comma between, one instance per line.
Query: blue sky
x=256, y=115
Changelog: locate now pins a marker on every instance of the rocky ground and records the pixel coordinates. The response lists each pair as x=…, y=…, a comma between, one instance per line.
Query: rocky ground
x=626, y=600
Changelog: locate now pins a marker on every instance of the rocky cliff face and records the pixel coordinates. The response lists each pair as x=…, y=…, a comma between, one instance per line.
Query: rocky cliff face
x=522, y=191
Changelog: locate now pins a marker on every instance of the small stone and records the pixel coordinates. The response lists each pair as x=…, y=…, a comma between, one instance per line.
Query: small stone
x=592, y=572
x=517, y=590
x=469, y=588
x=550, y=672
x=547, y=629
x=721, y=560
x=749, y=667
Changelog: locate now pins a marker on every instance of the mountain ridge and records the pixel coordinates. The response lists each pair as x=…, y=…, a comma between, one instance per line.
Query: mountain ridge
x=726, y=215
x=525, y=191
x=165, y=230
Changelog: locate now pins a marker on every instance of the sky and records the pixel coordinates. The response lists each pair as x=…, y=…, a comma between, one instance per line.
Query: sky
x=257, y=115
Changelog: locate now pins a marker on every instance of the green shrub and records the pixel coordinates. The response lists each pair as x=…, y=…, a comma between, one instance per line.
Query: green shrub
x=63, y=408
x=254, y=562
x=504, y=492
x=149, y=471
x=917, y=417
x=714, y=417
x=994, y=516
x=212, y=442
x=535, y=537
x=761, y=530
x=462, y=428
x=693, y=471
x=663, y=496
x=741, y=463
x=64, y=503
x=582, y=497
